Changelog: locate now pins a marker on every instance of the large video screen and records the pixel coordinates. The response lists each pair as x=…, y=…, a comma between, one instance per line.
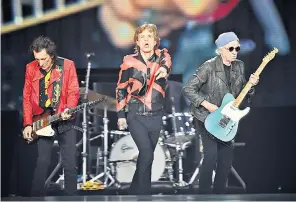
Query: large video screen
x=187, y=28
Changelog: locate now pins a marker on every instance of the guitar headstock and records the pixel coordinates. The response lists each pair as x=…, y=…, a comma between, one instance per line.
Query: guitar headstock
x=270, y=55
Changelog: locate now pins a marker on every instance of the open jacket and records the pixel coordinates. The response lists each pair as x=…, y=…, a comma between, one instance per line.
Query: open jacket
x=69, y=89
x=210, y=84
x=137, y=84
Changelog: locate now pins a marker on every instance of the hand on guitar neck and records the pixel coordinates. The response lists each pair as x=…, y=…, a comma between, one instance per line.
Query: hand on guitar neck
x=254, y=80
x=65, y=115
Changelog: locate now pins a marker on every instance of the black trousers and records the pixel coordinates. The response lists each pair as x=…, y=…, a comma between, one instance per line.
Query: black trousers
x=217, y=156
x=145, y=132
x=67, y=143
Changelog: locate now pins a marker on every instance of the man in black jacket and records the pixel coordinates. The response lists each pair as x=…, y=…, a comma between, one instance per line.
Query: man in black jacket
x=205, y=90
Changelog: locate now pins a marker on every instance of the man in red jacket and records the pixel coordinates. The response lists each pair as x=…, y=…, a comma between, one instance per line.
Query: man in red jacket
x=51, y=84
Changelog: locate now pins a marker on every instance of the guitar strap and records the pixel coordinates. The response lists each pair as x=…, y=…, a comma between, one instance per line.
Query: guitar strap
x=60, y=126
x=57, y=85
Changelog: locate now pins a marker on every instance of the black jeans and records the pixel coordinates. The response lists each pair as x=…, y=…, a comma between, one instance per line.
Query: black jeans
x=67, y=143
x=145, y=132
x=216, y=155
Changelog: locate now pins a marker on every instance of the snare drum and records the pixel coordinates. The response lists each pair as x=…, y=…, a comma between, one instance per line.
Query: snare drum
x=124, y=155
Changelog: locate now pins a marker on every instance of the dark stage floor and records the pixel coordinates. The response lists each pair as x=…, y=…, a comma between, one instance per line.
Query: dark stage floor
x=234, y=197
x=161, y=191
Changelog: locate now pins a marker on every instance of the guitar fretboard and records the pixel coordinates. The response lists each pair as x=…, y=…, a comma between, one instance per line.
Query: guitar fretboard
x=242, y=95
x=50, y=119
x=248, y=86
x=56, y=117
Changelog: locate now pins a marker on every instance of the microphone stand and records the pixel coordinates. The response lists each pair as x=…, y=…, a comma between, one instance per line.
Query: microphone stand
x=85, y=143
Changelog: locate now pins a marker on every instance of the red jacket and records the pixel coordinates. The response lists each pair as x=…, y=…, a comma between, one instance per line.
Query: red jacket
x=69, y=93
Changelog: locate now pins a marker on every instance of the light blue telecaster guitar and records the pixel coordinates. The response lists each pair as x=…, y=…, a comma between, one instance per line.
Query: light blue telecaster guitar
x=223, y=123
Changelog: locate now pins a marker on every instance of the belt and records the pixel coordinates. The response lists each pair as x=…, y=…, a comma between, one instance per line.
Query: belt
x=140, y=109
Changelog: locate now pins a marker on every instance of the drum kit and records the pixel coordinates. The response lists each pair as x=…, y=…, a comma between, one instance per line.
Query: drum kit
x=176, y=136
x=119, y=159
x=118, y=163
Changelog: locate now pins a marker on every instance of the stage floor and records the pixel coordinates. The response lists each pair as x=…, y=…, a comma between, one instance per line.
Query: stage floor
x=234, y=197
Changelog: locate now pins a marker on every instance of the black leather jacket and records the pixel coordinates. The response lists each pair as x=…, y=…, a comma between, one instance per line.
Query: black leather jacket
x=210, y=84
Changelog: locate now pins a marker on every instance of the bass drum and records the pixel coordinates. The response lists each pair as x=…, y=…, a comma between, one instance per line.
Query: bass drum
x=124, y=154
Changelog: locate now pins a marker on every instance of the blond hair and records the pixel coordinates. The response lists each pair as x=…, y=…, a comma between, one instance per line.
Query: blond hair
x=151, y=28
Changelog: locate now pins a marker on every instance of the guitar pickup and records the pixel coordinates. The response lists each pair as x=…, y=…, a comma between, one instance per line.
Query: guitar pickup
x=222, y=124
x=224, y=121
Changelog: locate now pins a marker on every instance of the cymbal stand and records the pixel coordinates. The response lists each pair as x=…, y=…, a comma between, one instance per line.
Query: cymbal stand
x=85, y=122
x=175, y=131
x=106, y=173
x=180, y=152
x=234, y=172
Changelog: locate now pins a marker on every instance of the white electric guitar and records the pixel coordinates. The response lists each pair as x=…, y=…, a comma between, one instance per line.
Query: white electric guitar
x=42, y=123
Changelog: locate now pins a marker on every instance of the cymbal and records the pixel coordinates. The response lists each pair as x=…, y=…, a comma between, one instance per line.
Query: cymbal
x=109, y=103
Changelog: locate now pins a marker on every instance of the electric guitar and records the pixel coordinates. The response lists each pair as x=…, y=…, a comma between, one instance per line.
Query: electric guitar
x=223, y=123
x=42, y=123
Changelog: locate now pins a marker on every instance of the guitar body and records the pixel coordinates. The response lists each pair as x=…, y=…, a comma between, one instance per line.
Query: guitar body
x=42, y=123
x=223, y=123
x=46, y=131
x=41, y=126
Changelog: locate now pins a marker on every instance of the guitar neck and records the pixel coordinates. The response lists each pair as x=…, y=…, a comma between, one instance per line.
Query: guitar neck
x=242, y=95
x=247, y=87
x=56, y=117
x=45, y=119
